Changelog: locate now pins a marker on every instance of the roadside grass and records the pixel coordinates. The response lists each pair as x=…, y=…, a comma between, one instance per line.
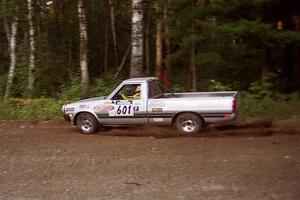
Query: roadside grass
x=250, y=108
x=31, y=109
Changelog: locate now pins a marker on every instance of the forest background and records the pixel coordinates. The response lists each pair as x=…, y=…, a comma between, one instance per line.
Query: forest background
x=57, y=51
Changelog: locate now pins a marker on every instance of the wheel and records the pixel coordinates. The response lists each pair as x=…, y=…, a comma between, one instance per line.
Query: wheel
x=189, y=123
x=87, y=123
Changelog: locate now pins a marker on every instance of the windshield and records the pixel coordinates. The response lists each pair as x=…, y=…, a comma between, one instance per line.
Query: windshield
x=156, y=89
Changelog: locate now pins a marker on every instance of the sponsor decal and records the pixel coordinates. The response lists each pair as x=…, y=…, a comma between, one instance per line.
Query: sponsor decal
x=157, y=104
x=103, y=108
x=70, y=109
x=157, y=109
x=83, y=106
x=158, y=119
x=123, y=102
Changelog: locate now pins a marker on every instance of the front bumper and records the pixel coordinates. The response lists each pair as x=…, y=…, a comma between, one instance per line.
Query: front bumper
x=67, y=118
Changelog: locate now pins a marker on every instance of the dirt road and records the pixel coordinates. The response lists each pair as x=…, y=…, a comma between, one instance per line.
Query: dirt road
x=48, y=160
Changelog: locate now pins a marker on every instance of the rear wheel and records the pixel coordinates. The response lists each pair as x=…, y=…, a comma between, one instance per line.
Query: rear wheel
x=87, y=123
x=189, y=123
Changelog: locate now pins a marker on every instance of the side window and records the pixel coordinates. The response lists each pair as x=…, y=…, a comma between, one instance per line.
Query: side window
x=154, y=90
x=151, y=91
x=129, y=92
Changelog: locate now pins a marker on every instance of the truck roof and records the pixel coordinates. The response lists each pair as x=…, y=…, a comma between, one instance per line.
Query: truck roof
x=140, y=79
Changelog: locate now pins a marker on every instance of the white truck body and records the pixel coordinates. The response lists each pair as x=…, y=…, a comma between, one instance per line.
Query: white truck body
x=155, y=106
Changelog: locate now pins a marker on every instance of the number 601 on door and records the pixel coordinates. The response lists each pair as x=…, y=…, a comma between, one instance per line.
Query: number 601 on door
x=122, y=110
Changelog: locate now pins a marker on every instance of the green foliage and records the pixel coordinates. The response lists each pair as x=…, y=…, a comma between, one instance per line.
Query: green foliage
x=2, y=84
x=282, y=38
x=100, y=87
x=30, y=109
x=230, y=38
x=178, y=88
x=251, y=107
x=261, y=90
x=261, y=101
x=104, y=86
x=73, y=91
x=211, y=59
x=218, y=86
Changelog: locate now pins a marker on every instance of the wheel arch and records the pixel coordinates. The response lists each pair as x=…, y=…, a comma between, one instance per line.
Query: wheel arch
x=187, y=112
x=81, y=112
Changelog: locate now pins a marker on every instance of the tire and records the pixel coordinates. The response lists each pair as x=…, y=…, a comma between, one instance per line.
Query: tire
x=87, y=123
x=189, y=123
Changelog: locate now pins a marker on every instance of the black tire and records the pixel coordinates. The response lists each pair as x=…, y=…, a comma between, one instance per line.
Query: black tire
x=189, y=123
x=87, y=123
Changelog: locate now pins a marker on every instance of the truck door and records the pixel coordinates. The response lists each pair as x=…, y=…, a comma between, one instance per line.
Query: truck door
x=128, y=106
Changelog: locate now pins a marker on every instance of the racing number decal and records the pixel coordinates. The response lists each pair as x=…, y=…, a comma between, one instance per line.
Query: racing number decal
x=124, y=110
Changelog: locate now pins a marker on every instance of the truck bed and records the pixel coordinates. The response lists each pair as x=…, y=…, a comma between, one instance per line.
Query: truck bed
x=201, y=94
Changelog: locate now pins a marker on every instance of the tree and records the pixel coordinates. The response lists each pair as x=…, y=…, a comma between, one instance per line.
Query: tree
x=83, y=48
x=11, y=35
x=192, y=79
x=113, y=30
x=167, y=39
x=105, y=48
x=204, y=40
x=159, y=50
x=147, y=37
x=136, y=65
x=296, y=50
x=32, y=48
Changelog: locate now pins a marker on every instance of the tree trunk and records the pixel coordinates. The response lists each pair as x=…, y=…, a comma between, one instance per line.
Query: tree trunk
x=12, y=35
x=167, y=41
x=192, y=69
x=122, y=63
x=5, y=22
x=296, y=54
x=32, y=48
x=70, y=47
x=56, y=17
x=105, y=46
x=136, y=68
x=158, y=69
x=113, y=29
x=83, y=49
x=147, y=40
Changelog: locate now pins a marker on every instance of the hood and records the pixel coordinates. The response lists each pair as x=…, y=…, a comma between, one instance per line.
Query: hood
x=91, y=99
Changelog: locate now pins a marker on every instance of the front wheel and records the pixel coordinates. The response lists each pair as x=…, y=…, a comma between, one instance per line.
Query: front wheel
x=87, y=123
x=189, y=123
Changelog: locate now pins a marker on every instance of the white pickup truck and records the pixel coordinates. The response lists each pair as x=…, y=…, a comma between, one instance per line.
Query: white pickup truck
x=141, y=101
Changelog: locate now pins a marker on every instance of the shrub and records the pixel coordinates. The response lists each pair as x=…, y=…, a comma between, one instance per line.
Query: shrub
x=31, y=109
x=218, y=86
x=100, y=87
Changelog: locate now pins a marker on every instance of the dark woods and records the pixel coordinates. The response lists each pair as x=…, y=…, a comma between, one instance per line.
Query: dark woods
x=52, y=48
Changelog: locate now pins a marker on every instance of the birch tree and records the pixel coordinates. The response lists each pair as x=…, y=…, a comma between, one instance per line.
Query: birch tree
x=83, y=48
x=32, y=47
x=11, y=35
x=136, y=67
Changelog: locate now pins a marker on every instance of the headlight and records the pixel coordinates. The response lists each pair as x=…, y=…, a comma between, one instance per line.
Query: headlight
x=63, y=108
